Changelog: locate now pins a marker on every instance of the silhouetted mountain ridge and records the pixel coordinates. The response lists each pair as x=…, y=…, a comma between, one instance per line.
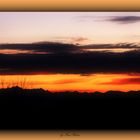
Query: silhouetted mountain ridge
x=17, y=89
x=42, y=109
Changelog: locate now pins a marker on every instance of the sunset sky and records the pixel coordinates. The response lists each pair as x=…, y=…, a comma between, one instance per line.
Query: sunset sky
x=96, y=27
x=69, y=51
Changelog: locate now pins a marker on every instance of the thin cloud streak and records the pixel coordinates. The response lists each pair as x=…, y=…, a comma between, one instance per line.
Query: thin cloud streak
x=126, y=81
x=124, y=19
x=116, y=19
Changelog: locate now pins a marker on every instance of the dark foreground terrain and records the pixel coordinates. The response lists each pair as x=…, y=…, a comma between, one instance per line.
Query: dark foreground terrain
x=39, y=109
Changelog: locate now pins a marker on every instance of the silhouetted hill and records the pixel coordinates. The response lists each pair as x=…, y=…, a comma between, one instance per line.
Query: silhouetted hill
x=41, y=109
x=40, y=91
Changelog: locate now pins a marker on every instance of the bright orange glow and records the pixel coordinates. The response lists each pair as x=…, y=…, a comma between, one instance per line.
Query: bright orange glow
x=73, y=82
x=110, y=50
x=9, y=51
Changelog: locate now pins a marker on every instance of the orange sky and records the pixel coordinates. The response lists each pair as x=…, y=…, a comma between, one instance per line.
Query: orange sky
x=74, y=82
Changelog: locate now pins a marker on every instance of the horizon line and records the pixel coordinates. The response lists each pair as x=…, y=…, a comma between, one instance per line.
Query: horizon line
x=70, y=91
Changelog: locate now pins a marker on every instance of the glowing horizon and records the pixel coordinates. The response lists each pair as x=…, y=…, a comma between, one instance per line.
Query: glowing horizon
x=73, y=82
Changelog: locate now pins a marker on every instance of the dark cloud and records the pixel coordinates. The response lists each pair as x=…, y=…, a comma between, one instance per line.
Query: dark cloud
x=69, y=59
x=118, y=19
x=124, y=19
x=71, y=63
x=42, y=47
x=55, y=47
